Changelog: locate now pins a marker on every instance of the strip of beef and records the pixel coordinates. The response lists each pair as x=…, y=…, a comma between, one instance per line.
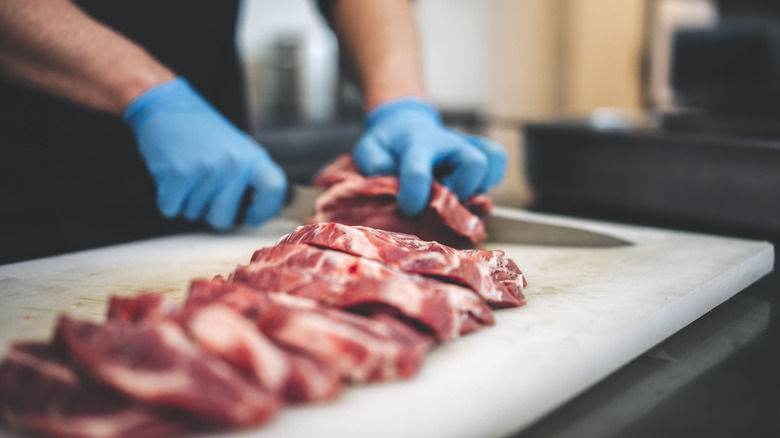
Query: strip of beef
x=309, y=379
x=142, y=307
x=155, y=363
x=214, y=318
x=380, y=334
x=218, y=329
x=227, y=334
x=360, y=349
x=353, y=199
x=503, y=271
x=39, y=391
x=346, y=281
x=340, y=168
x=499, y=285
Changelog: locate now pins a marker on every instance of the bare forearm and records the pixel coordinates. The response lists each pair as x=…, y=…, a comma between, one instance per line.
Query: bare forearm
x=52, y=46
x=381, y=41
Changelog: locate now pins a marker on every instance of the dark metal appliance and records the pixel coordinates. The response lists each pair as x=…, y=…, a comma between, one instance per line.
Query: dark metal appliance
x=711, y=162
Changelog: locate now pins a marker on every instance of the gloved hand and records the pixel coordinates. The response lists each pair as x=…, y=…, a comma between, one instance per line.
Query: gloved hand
x=201, y=162
x=406, y=137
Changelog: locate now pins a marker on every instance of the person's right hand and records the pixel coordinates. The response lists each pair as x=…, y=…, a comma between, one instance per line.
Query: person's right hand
x=202, y=164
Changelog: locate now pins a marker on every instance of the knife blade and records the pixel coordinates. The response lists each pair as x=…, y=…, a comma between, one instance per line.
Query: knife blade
x=507, y=226
x=502, y=224
x=299, y=204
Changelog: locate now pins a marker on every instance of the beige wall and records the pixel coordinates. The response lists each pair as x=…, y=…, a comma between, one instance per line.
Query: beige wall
x=512, y=59
x=602, y=50
x=560, y=58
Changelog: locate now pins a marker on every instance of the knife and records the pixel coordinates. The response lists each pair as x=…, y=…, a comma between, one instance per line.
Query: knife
x=506, y=225
x=503, y=225
x=299, y=204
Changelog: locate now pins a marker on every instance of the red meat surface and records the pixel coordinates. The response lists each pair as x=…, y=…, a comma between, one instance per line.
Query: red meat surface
x=497, y=281
x=157, y=364
x=353, y=199
x=41, y=392
x=346, y=281
x=329, y=304
x=360, y=348
x=220, y=318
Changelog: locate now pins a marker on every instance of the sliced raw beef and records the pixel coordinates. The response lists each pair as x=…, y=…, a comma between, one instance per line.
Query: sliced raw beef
x=141, y=307
x=353, y=199
x=503, y=270
x=378, y=333
x=339, y=169
x=475, y=269
x=346, y=281
x=220, y=319
x=219, y=330
x=158, y=365
x=40, y=392
x=227, y=334
x=360, y=349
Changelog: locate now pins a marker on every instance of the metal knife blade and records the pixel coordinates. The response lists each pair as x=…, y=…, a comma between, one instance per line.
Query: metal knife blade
x=505, y=226
x=300, y=202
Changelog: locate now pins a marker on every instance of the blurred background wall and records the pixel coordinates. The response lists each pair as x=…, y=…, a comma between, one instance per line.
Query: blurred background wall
x=505, y=61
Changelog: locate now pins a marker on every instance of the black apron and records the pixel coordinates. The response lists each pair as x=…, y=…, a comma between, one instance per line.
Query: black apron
x=72, y=178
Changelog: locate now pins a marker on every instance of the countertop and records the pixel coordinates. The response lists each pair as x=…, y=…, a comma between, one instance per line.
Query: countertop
x=590, y=311
x=717, y=377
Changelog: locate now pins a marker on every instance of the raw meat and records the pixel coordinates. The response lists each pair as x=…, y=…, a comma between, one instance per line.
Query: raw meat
x=139, y=308
x=327, y=304
x=214, y=317
x=497, y=281
x=358, y=348
x=39, y=391
x=156, y=364
x=347, y=281
x=353, y=199
x=227, y=334
x=503, y=270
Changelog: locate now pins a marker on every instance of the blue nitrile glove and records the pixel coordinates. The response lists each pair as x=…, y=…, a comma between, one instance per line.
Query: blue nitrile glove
x=406, y=137
x=201, y=162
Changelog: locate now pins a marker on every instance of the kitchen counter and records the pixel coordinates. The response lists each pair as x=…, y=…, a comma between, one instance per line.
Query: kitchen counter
x=590, y=311
x=717, y=377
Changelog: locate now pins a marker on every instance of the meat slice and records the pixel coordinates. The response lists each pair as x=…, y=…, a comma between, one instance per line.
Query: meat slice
x=158, y=365
x=309, y=379
x=474, y=269
x=227, y=334
x=353, y=199
x=220, y=318
x=312, y=371
x=40, y=392
x=340, y=168
x=346, y=281
x=503, y=271
x=142, y=307
x=239, y=297
x=360, y=349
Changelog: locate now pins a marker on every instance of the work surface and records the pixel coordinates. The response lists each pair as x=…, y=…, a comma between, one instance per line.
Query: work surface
x=590, y=310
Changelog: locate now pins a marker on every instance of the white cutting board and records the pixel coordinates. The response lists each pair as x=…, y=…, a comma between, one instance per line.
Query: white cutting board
x=589, y=312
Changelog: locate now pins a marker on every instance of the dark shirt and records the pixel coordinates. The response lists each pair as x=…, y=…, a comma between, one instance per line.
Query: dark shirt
x=72, y=178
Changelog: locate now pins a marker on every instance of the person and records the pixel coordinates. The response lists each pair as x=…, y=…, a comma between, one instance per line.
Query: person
x=122, y=120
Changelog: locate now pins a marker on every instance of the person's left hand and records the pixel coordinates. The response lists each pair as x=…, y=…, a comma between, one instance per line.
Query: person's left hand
x=406, y=137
